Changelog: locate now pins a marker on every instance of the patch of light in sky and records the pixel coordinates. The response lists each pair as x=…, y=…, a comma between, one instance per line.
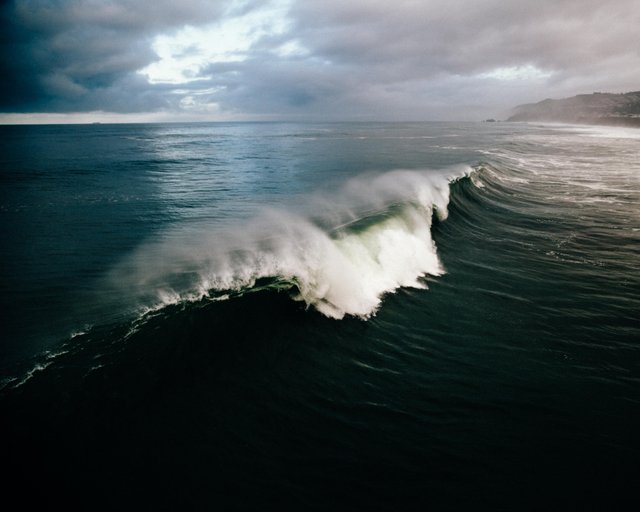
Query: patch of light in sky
x=291, y=48
x=527, y=72
x=184, y=54
x=199, y=100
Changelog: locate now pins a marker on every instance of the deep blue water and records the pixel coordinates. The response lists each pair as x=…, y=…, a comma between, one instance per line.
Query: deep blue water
x=319, y=316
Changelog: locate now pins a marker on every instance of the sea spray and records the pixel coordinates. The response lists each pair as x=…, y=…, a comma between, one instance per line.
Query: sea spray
x=339, y=254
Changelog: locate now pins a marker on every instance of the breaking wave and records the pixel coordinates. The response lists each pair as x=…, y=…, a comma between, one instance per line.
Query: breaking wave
x=340, y=253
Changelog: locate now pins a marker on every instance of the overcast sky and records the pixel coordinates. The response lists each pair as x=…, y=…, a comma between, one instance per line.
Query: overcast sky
x=127, y=60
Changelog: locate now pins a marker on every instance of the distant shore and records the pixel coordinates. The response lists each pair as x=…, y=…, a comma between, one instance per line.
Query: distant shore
x=596, y=109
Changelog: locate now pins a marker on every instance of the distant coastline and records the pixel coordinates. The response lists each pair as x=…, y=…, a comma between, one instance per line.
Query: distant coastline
x=597, y=108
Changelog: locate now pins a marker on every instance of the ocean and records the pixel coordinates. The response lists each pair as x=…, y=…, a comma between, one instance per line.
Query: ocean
x=347, y=316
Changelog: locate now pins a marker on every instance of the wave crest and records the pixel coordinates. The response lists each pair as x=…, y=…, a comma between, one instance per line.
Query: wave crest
x=339, y=254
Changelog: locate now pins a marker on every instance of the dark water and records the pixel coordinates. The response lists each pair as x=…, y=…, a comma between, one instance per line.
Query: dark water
x=316, y=317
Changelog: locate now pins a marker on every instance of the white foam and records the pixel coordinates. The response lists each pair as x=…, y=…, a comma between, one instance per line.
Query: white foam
x=611, y=132
x=343, y=252
x=38, y=367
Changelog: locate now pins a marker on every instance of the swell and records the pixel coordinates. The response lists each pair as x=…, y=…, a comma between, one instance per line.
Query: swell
x=339, y=254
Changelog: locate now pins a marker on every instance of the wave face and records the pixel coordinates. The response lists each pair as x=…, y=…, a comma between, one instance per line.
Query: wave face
x=340, y=253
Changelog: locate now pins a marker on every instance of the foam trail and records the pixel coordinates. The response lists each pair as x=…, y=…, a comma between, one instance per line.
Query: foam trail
x=341, y=254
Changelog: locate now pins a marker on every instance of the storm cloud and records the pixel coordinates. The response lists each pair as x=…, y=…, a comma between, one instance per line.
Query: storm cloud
x=312, y=59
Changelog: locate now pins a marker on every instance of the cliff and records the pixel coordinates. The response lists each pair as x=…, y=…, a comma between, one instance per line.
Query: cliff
x=596, y=108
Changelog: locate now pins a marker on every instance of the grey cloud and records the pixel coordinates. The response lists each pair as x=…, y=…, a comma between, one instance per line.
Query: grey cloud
x=466, y=37
x=423, y=59
x=408, y=59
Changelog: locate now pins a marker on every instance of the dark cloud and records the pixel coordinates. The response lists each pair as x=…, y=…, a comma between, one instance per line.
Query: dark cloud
x=68, y=55
x=411, y=59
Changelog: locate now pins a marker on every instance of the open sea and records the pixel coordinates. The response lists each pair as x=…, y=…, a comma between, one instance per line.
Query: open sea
x=273, y=316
